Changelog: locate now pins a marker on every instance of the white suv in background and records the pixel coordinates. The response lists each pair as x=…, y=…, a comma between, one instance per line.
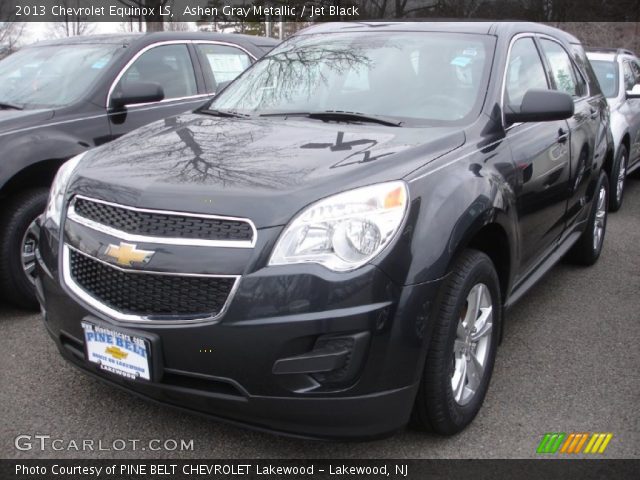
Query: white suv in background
x=618, y=71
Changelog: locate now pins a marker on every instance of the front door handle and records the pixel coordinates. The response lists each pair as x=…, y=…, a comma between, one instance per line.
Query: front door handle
x=594, y=112
x=562, y=135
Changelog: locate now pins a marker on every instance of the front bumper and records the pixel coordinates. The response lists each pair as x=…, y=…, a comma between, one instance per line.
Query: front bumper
x=226, y=368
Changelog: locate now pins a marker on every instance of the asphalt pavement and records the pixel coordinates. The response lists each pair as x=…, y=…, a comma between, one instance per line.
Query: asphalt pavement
x=569, y=362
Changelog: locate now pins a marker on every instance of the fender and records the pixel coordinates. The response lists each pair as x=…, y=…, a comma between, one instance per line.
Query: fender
x=473, y=191
x=25, y=150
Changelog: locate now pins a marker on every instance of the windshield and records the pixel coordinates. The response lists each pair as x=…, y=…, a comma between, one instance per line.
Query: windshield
x=415, y=77
x=607, y=73
x=52, y=76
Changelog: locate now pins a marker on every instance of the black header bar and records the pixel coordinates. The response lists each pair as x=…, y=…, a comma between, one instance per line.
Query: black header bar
x=318, y=10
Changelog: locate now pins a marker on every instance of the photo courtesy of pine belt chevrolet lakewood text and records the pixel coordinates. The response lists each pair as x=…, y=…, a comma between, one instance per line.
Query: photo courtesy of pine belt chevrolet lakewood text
x=330, y=246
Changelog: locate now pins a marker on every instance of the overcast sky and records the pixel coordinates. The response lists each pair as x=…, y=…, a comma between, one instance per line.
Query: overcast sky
x=36, y=31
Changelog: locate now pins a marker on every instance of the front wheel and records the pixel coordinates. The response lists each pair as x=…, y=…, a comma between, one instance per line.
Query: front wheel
x=18, y=242
x=463, y=347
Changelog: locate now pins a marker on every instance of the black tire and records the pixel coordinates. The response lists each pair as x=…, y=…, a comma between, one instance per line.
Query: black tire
x=586, y=251
x=436, y=408
x=18, y=214
x=616, y=189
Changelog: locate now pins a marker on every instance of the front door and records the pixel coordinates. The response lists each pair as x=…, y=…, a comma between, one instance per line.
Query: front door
x=540, y=151
x=169, y=65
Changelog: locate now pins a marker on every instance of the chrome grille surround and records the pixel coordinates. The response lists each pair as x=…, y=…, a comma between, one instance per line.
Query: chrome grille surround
x=102, y=307
x=73, y=215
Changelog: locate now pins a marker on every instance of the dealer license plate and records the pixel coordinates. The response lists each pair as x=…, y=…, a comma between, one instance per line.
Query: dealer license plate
x=116, y=352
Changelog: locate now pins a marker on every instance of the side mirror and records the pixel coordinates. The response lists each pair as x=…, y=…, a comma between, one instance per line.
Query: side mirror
x=634, y=92
x=541, y=106
x=132, y=93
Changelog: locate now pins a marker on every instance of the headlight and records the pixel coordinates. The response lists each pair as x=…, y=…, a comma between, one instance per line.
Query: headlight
x=344, y=231
x=59, y=188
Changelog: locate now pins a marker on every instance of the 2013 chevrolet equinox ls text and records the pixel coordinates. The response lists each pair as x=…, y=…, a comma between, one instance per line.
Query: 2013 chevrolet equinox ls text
x=327, y=248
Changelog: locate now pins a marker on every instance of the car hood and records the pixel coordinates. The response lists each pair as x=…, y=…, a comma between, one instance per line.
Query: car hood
x=262, y=169
x=14, y=120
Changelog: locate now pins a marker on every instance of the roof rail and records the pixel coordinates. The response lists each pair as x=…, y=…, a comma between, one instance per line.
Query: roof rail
x=617, y=51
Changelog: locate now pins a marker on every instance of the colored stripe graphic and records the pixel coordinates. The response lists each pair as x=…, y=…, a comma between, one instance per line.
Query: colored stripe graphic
x=551, y=442
x=573, y=443
x=598, y=442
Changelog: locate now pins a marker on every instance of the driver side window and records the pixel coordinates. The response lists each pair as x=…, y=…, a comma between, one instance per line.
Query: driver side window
x=524, y=72
x=168, y=65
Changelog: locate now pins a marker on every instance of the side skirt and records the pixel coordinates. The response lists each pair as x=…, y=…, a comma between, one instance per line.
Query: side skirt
x=543, y=267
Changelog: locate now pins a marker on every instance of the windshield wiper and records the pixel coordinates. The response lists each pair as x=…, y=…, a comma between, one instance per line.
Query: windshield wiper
x=337, y=116
x=10, y=106
x=223, y=113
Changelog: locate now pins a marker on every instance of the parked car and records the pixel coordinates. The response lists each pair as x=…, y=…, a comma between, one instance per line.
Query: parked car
x=59, y=98
x=618, y=71
x=327, y=248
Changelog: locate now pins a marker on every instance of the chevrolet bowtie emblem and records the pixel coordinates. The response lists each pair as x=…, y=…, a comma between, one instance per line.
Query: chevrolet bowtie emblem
x=126, y=254
x=116, y=353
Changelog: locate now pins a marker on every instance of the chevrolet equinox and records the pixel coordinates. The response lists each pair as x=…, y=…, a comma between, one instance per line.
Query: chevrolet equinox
x=328, y=247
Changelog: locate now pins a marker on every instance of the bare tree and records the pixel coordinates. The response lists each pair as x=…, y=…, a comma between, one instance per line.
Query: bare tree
x=604, y=34
x=10, y=33
x=154, y=21
x=132, y=26
x=177, y=27
x=73, y=25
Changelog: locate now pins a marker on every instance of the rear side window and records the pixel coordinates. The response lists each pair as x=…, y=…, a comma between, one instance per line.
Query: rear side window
x=636, y=69
x=607, y=73
x=168, y=65
x=630, y=77
x=562, y=69
x=223, y=61
x=524, y=72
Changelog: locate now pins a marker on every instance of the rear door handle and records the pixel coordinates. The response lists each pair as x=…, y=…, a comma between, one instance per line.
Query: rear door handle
x=594, y=112
x=562, y=135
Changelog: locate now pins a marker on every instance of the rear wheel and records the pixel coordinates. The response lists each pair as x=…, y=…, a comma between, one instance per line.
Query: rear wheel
x=587, y=250
x=18, y=242
x=463, y=347
x=617, y=180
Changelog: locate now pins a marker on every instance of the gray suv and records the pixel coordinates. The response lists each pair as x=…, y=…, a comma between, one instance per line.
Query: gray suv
x=618, y=72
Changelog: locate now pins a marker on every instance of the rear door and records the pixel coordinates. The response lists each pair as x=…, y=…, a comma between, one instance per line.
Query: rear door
x=583, y=126
x=541, y=153
x=221, y=63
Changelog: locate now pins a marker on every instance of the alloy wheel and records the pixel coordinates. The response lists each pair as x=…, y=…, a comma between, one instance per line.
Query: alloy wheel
x=472, y=344
x=600, y=221
x=622, y=172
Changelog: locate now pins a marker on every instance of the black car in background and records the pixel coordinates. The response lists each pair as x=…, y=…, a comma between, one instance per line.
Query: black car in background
x=328, y=247
x=62, y=97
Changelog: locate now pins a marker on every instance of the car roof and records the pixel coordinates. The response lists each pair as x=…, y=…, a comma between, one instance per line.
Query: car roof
x=153, y=37
x=487, y=28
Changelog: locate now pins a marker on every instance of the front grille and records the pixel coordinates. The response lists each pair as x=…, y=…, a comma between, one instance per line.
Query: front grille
x=149, y=294
x=164, y=225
